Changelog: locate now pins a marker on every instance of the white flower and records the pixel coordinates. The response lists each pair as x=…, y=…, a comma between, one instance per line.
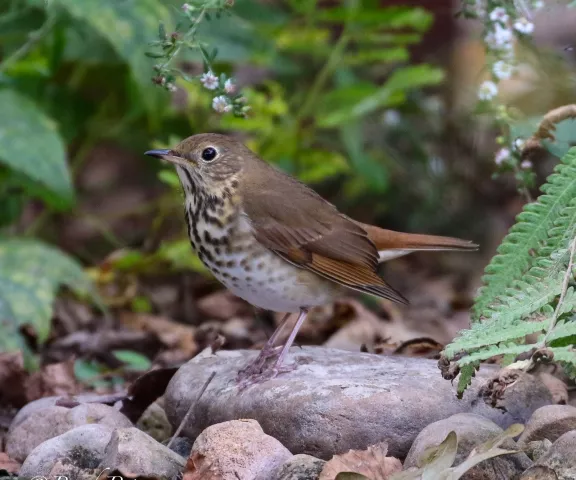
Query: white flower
x=526, y=164
x=502, y=35
x=502, y=155
x=480, y=7
x=502, y=70
x=488, y=90
x=171, y=87
x=499, y=15
x=221, y=104
x=209, y=80
x=519, y=143
x=229, y=86
x=186, y=7
x=391, y=118
x=500, y=38
x=524, y=26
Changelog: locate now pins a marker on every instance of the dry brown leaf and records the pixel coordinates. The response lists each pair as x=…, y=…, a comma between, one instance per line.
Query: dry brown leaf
x=12, y=373
x=145, y=390
x=223, y=305
x=57, y=379
x=174, y=335
x=8, y=464
x=371, y=462
x=198, y=468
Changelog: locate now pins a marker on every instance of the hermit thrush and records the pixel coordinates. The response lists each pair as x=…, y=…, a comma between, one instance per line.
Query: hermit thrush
x=275, y=242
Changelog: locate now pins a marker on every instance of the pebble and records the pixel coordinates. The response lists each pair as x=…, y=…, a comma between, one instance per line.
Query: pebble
x=549, y=422
x=235, y=450
x=82, y=448
x=39, y=425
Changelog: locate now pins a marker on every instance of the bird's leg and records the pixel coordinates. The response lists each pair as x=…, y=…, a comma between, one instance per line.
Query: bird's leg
x=268, y=350
x=291, y=338
x=257, y=372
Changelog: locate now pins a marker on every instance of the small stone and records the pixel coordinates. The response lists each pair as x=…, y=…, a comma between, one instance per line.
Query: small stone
x=45, y=402
x=561, y=457
x=235, y=450
x=301, y=467
x=181, y=445
x=155, y=423
x=63, y=469
x=335, y=400
x=539, y=472
x=82, y=447
x=135, y=454
x=557, y=387
x=551, y=422
x=536, y=448
x=471, y=430
x=43, y=424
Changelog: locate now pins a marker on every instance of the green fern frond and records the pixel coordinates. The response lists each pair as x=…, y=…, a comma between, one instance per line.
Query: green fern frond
x=493, y=351
x=529, y=285
x=544, y=227
x=563, y=329
x=490, y=333
x=467, y=373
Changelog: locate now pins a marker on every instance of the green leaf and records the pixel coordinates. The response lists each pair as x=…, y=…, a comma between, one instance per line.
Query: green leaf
x=391, y=93
x=30, y=275
x=467, y=372
x=128, y=25
x=169, y=177
x=133, y=360
x=318, y=165
x=386, y=17
x=31, y=145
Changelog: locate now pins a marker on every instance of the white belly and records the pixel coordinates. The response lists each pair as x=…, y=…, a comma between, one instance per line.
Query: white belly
x=278, y=286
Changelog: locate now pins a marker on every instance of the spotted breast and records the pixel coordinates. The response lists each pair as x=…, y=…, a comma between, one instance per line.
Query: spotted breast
x=221, y=235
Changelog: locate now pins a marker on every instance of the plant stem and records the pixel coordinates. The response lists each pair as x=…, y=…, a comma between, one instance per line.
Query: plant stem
x=189, y=36
x=33, y=39
x=565, y=283
x=323, y=75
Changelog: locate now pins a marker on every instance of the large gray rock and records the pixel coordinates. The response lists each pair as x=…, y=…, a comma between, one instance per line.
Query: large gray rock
x=135, y=453
x=235, y=450
x=562, y=457
x=549, y=422
x=336, y=400
x=51, y=421
x=471, y=430
x=82, y=447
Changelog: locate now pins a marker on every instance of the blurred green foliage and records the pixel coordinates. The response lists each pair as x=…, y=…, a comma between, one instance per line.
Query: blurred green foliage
x=75, y=73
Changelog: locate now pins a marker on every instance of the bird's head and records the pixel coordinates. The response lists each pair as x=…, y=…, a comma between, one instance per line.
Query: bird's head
x=207, y=162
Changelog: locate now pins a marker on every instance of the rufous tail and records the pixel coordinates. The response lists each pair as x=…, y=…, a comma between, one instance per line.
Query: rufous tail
x=391, y=244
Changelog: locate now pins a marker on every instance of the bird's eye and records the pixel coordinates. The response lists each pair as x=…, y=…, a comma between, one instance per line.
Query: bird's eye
x=209, y=154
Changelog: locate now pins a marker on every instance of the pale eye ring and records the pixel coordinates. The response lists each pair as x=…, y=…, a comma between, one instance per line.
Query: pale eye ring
x=209, y=154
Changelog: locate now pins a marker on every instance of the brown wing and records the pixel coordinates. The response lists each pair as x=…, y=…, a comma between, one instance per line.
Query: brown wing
x=297, y=224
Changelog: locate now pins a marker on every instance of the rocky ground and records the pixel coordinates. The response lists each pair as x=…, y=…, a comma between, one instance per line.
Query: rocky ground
x=337, y=411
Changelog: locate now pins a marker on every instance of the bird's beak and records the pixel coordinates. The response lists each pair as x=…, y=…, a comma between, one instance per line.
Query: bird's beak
x=169, y=156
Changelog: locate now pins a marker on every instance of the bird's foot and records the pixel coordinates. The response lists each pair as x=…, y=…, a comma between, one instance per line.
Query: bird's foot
x=258, y=371
x=267, y=374
x=257, y=366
